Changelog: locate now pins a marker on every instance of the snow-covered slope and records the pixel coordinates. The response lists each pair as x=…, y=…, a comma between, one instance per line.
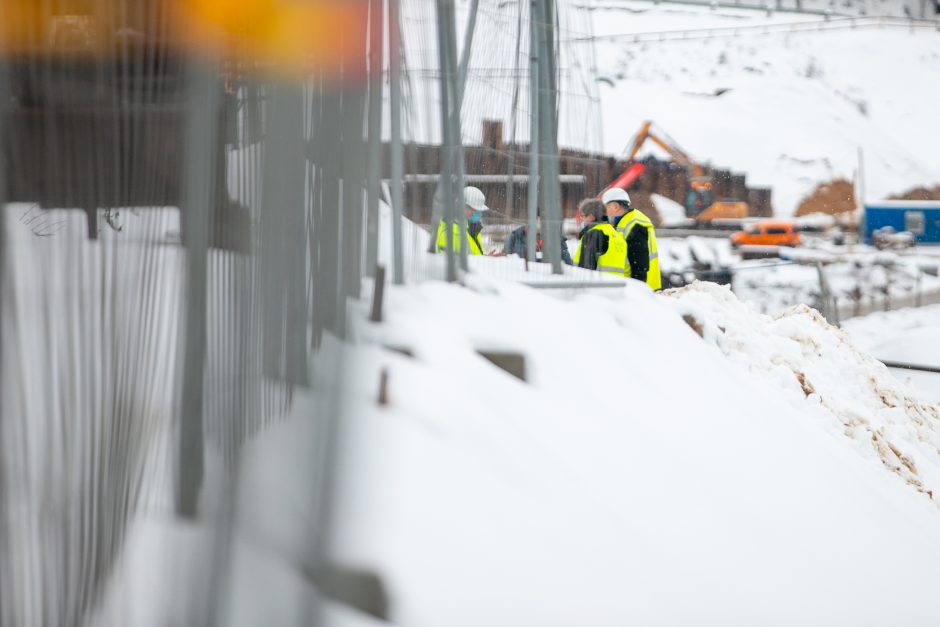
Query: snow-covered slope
x=794, y=107
x=670, y=459
x=768, y=474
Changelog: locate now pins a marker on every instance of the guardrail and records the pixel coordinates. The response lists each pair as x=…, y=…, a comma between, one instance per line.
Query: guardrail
x=906, y=366
x=831, y=24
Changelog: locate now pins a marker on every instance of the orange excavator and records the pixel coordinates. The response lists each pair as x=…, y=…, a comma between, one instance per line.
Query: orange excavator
x=698, y=202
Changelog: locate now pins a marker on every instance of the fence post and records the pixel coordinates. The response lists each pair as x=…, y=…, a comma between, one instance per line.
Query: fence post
x=533, y=188
x=374, y=169
x=548, y=124
x=197, y=202
x=397, y=153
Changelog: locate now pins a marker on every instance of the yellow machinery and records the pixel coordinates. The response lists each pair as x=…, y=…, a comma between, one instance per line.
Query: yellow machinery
x=698, y=202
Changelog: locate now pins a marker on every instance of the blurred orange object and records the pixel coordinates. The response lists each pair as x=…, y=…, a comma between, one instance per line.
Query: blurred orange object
x=767, y=233
x=296, y=35
x=289, y=34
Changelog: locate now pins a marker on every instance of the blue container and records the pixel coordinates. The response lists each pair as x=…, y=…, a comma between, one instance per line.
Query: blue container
x=920, y=217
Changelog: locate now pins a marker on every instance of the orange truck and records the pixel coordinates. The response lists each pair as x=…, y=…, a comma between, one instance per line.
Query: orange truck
x=767, y=233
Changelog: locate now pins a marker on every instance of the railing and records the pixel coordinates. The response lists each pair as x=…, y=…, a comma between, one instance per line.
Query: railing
x=833, y=24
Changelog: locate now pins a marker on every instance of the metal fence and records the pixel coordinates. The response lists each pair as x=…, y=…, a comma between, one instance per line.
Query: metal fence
x=185, y=227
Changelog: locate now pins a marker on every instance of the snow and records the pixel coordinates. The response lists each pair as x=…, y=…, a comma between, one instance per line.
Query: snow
x=676, y=458
x=860, y=278
x=768, y=472
x=670, y=212
x=909, y=336
x=600, y=491
x=798, y=105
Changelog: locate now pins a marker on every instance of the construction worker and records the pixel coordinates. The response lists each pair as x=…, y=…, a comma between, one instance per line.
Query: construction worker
x=637, y=231
x=601, y=247
x=517, y=243
x=475, y=205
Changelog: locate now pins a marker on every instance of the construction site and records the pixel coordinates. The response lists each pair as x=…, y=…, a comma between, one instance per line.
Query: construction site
x=306, y=317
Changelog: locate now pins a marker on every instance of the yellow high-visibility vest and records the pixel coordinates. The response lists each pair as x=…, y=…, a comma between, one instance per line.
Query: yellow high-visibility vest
x=475, y=247
x=625, y=224
x=615, y=259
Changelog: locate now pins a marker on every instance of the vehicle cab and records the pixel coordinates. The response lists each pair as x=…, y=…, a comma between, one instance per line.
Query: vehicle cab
x=767, y=233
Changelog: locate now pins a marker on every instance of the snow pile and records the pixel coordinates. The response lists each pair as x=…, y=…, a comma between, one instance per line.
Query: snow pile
x=820, y=371
x=789, y=109
x=635, y=465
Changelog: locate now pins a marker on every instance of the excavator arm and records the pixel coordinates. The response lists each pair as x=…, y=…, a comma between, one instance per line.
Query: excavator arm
x=666, y=144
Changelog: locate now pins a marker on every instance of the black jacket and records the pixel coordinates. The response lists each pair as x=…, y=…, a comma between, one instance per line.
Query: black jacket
x=473, y=230
x=638, y=250
x=594, y=243
x=516, y=245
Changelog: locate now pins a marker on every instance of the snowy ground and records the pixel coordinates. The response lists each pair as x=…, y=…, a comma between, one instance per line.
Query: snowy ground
x=482, y=499
x=767, y=472
x=763, y=470
x=796, y=107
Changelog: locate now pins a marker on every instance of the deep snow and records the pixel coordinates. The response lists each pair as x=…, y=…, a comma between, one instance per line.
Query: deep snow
x=672, y=458
x=769, y=474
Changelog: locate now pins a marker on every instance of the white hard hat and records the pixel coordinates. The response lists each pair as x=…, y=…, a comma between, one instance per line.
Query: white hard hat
x=474, y=198
x=615, y=194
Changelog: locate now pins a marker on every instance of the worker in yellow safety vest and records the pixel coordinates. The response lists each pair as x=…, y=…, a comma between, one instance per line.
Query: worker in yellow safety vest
x=637, y=231
x=475, y=205
x=601, y=247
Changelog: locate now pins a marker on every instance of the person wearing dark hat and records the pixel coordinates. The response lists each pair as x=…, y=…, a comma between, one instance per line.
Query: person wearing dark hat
x=637, y=231
x=517, y=243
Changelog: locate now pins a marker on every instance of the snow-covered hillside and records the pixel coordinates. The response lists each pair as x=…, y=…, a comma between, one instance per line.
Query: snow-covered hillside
x=789, y=109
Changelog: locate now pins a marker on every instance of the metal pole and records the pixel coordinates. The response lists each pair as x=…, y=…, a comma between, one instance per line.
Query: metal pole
x=860, y=201
x=282, y=267
x=4, y=102
x=397, y=154
x=329, y=300
x=456, y=145
x=447, y=54
x=511, y=209
x=354, y=165
x=551, y=193
x=861, y=178
x=533, y=189
x=196, y=207
x=465, y=53
x=446, y=187
x=376, y=42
